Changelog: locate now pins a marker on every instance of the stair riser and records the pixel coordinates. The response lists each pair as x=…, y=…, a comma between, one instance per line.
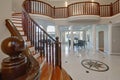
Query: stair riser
x=28, y=44
x=24, y=38
x=21, y=32
x=16, y=19
x=42, y=64
x=17, y=24
x=36, y=55
x=32, y=50
x=19, y=28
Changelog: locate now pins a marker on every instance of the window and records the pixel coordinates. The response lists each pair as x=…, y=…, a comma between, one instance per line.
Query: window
x=51, y=30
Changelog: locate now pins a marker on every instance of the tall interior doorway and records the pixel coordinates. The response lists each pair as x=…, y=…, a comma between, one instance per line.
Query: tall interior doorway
x=101, y=41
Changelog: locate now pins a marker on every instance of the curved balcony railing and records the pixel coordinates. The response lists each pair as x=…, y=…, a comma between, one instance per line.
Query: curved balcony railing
x=39, y=7
x=75, y=9
x=83, y=8
x=105, y=10
x=61, y=12
x=116, y=7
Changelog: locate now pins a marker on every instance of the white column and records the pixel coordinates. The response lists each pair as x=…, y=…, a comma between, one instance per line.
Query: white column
x=110, y=38
x=72, y=38
x=94, y=37
x=63, y=37
x=84, y=35
x=57, y=31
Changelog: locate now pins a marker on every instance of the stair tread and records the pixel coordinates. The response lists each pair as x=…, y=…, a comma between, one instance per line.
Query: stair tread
x=17, y=22
x=28, y=41
x=60, y=74
x=56, y=75
x=23, y=35
x=16, y=14
x=65, y=76
x=21, y=30
x=40, y=59
x=19, y=26
x=17, y=19
x=46, y=72
x=53, y=73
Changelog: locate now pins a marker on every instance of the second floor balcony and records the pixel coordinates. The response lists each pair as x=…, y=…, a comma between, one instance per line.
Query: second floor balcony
x=75, y=9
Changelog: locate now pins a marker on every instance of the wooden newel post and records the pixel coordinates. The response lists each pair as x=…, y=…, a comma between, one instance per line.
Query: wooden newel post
x=58, y=53
x=15, y=65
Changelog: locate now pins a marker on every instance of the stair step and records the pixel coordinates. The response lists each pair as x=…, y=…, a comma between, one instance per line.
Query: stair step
x=28, y=43
x=37, y=56
x=46, y=72
x=65, y=76
x=41, y=60
x=19, y=28
x=18, y=14
x=56, y=75
x=16, y=22
x=32, y=50
x=21, y=32
x=42, y=63
x=17, y=19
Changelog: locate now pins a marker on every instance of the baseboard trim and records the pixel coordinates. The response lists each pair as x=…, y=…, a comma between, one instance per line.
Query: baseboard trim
x=116, y=54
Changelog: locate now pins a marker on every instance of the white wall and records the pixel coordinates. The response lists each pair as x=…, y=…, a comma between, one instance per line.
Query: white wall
x=115, y=19
x=62, y=2
x=17, y=5
x=105, y=29
x=5, y=13
x=116, y=40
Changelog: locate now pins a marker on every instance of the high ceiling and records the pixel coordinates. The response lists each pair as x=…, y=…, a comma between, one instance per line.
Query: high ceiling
x=61, y=3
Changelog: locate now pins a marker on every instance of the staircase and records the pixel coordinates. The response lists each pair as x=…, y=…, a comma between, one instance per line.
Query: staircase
x=17, y=21
x=49, y=70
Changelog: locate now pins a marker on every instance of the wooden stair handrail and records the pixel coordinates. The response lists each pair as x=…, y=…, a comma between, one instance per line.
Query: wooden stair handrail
x=13, y=30
x=46, y=40
x=38, y=25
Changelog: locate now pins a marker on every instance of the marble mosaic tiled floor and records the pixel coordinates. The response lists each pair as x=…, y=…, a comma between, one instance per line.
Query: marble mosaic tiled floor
x=71, y=62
